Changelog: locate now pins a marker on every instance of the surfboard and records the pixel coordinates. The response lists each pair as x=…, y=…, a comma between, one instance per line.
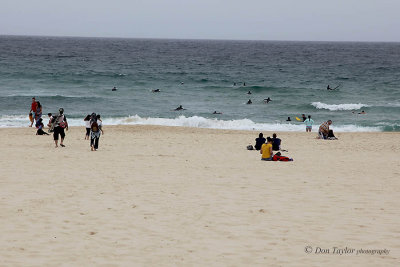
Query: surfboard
x=298, y=119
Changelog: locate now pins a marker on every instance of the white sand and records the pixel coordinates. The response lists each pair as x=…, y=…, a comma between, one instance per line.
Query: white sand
x=167, y=196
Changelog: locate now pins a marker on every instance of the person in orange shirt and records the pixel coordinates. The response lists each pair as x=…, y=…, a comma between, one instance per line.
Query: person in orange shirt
x=266, y=150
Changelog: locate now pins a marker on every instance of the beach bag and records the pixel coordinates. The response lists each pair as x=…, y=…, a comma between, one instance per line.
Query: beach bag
x=63, y=124
x=279, y=157
x=250, y=147
x=94, y=127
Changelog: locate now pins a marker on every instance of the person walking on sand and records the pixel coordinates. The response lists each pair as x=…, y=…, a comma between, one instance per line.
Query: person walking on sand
x=309, y=123
x=266, y=150
x=33, y=109
x=96, y=127
x=59, y=123
x=87, y=126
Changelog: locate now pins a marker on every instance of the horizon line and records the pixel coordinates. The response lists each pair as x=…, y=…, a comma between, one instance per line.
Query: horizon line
x=192, y=39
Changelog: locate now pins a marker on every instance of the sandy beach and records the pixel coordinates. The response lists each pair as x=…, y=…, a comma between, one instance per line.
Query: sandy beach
x=174, y=196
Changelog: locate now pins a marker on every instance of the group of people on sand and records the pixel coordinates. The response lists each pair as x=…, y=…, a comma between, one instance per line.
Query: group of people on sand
x=94, y=129
x=268, y=146
x=58, y=124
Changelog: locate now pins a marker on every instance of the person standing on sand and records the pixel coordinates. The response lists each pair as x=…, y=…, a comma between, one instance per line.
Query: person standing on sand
x=59, y=123
x=309, y=123
x=33, y=109
x=266, y=150
x=87, y=126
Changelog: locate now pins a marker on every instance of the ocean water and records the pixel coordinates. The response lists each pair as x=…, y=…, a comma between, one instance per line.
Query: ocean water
x=78, y=74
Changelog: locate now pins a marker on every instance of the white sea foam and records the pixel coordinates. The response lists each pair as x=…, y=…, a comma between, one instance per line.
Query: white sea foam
x=334, y=107
x=195, y=121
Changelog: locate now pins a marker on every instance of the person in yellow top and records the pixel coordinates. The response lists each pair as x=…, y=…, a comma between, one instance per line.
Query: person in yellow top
x=266, y=150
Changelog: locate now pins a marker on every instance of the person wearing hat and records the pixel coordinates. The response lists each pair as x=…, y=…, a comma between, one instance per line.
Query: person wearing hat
x=59, y=124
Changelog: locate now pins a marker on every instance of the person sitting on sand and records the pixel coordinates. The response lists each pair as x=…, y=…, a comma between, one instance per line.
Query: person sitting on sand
x=276, y=143
x=39, y=126
x=259, y=141
x=249, y=102
x=324, y=129
x=266, y=150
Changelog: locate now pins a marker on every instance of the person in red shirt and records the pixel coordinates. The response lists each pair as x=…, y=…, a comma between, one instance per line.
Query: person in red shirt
x=33, y=109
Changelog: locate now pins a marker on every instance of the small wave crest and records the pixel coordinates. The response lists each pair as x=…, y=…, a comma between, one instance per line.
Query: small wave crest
x=194, y=121
x=334, y=107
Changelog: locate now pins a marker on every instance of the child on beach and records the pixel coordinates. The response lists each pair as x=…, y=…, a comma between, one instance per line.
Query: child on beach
x=31, y=118
x=39, y=126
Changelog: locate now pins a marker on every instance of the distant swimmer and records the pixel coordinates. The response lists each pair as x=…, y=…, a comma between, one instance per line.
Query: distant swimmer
x=179, y=108
x=182, y=83
x=249, y=102
x=303, y=116
x=234, y=84
x=288, y=119
x=244, y=84
x=114, y=89
x=267, y=100
x=156, y=90
x=249, y=92
x=217, y=112
x=362, y=112
x=330, y=88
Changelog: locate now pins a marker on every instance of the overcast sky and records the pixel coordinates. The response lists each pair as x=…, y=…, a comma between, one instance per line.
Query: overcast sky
x=308, y=20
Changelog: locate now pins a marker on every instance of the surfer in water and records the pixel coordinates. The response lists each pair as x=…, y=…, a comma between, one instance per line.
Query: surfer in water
x=267, y=100
x=114, y=89
x=156, y=90
x=249, y=92
x=217, y=112
x=330, y=88
x=179, y=108
x=249, y=102
x=288, y=119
